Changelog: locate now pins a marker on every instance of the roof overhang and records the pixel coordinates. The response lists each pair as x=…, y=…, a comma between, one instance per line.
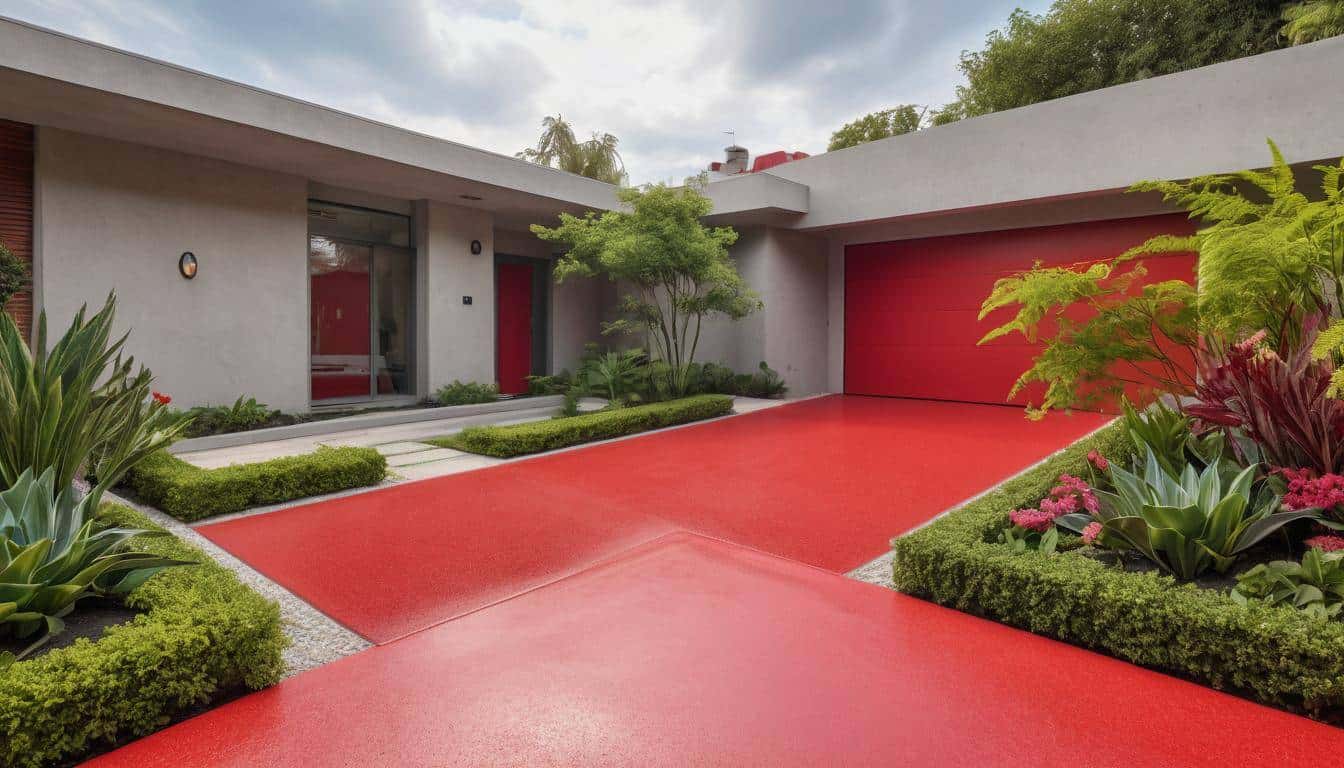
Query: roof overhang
x=51, y=79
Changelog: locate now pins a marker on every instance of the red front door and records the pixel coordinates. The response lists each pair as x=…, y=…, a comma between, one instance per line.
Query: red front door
x=513, y=310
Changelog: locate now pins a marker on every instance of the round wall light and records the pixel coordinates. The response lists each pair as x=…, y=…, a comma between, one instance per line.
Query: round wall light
x=186, y=265
x=475, y=247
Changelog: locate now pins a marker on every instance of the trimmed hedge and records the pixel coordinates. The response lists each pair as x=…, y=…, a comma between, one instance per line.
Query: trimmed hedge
x=535, y=437
x=203, y=633
x=1273, y=654
x=188, y=492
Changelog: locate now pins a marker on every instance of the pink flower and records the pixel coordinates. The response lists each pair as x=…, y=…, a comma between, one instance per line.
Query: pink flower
x=1071, y=494
x=1326, y=543
x=1306, y=490
x=1091, y=532
x=1032, y=519
x=161, y=398
x=1095, y=458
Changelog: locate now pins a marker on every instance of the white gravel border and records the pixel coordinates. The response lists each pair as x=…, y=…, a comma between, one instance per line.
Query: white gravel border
x=878, y=570
x=316, y=638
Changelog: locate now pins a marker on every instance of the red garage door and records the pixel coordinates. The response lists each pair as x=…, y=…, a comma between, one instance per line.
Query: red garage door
x=911, y=305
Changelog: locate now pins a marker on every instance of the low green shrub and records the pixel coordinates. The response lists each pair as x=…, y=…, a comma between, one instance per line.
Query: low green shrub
x=202, y=634
x=466, y=393
x=535, y=437
x=243, y=416
x=188, y=492
x=1277, y=656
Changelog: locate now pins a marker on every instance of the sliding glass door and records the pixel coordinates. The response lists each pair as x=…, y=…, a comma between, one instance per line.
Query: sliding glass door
x=361, y=304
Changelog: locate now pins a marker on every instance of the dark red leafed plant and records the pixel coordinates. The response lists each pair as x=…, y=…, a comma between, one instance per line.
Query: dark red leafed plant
x=1278, y=399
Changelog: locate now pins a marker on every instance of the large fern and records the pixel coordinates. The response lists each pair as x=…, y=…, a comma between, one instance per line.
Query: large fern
x=1269, y=256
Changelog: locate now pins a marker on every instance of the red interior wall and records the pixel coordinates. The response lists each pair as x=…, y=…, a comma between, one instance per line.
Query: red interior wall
x=513, y=307
x=345, y=294
x=911, y=305
x=16, y=210
x=348, y=293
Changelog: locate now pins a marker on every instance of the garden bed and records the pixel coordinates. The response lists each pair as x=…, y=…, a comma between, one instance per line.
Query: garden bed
x=189, y=493
x=1269, y=653
x=535, y=437
x=200, y=636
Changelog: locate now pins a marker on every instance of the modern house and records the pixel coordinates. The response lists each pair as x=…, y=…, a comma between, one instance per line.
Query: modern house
x=267, y=246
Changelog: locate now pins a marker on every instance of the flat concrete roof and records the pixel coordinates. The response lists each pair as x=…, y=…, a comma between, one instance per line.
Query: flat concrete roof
x=1213, y=119
x=1208, y=120
x=51, y=79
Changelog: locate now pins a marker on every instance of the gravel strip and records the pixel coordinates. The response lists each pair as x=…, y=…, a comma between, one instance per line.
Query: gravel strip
x=317, y=639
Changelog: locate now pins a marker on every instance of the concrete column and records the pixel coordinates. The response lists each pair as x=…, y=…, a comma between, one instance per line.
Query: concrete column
x=456, y=340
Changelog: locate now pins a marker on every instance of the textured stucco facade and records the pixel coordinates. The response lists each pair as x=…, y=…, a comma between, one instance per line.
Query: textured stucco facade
x=115, y=217
x=137, y=161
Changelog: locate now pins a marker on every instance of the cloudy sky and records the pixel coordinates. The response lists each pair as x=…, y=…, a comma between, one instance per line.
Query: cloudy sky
x=667, y=78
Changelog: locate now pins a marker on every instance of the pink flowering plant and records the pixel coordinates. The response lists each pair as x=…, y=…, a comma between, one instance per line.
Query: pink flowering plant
x=1034, y=527
x=1308, y=490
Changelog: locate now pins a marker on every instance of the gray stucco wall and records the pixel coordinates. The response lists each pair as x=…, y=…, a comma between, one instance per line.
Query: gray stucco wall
x=789, y=272
x=116, y=216
x=457, y=341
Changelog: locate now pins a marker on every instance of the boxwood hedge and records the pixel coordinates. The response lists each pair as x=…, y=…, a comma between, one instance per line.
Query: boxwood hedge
x=189, y=492
x=202, y=633
x=1272, y=654
x=534, y=437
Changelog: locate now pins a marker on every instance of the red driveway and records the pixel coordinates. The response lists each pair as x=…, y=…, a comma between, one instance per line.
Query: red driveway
x=688, y=651
x=826, y=482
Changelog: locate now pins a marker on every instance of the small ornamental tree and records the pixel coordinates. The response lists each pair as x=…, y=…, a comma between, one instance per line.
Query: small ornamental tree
x=678, y=270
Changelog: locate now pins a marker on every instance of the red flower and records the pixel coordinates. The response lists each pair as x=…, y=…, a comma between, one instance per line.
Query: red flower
x=1032, y=519
x=1326, y=543
x=1097, y=460
x=1091, y=532
x=1306, y=490
x=161, y=398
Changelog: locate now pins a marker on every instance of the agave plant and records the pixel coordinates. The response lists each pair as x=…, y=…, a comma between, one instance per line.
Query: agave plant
x=1189, y=524
x=78, y=407
x=53, y=554
x=1314, y=586
x=1168, y=434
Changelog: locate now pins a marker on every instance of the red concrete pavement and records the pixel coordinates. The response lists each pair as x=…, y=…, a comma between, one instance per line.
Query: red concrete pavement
x=689, y=651
x=826, y=482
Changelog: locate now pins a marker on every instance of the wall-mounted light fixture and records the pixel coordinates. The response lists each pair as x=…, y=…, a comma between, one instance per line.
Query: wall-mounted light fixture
x=186, y=265
x=475, y=247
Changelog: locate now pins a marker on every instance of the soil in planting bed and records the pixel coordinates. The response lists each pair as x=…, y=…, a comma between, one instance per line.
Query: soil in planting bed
x=91, y=617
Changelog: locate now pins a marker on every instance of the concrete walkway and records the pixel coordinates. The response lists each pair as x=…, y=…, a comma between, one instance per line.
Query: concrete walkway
x=408, y=457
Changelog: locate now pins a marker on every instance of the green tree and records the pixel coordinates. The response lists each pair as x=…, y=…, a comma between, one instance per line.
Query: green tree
x=1314, y=20
x=1082, y=45
x=596, y=158
x=678, y=270
x=13, y=275
x=906, y=118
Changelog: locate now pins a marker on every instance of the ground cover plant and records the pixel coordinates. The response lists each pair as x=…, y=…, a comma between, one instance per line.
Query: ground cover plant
x=1201, y=533
x=244, y=415
x=466, y=393
x=548, y=435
